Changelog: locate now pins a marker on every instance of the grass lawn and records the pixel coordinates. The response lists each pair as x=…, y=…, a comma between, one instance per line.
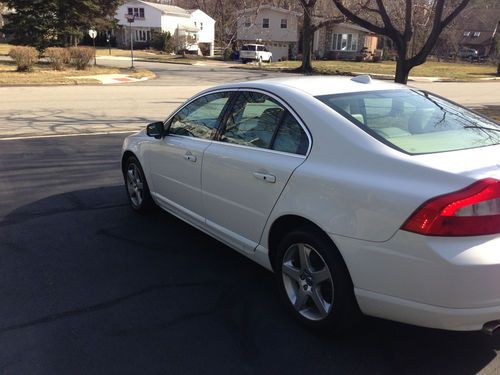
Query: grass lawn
x=452, y=71
x=43, y=74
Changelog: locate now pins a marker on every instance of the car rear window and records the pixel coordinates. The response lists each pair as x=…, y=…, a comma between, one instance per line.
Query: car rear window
x=415, y=122
x=248, y=48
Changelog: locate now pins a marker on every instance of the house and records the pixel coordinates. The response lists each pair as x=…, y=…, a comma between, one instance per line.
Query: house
x=343, y=41
x=479, y=30
x=191, y=29
x=276, y=28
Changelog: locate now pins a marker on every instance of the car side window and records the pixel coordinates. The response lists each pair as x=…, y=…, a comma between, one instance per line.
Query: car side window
x=291, y=137
x=253, y=120
x=200, y=118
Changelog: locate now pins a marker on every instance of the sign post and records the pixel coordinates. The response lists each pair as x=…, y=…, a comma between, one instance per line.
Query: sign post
x=93, y=35
x=131, y=19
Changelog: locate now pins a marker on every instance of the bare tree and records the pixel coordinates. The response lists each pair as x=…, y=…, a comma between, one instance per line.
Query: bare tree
x=310, y=25
x=398, y=23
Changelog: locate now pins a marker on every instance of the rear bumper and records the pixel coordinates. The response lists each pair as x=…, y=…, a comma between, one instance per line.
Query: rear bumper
x=410, y=312
x=448, y=283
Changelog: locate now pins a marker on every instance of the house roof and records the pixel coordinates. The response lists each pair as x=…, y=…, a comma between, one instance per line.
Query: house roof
x=191, y=11
x=482, y=21
x=270, y=7
x=168, y=9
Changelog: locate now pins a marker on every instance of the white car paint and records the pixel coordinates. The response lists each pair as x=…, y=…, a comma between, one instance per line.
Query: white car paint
x=255, y=52
x=356, y=189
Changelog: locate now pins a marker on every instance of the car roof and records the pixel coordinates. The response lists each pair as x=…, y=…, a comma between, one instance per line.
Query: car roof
x=320, y=85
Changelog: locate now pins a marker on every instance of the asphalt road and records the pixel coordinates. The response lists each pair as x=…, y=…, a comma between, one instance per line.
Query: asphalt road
x=36, y=111
x=87, y=286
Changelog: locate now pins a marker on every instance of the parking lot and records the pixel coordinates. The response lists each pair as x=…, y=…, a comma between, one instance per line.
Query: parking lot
x=89, y=287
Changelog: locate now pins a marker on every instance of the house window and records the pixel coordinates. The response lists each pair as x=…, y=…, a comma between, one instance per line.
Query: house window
x=194, y=23
x=265, y=23
x=248, y=23
x=466, y=33
x=201, y=25
x=476, y=33
x=345, y=42
x=137, y=12
x=284, y=23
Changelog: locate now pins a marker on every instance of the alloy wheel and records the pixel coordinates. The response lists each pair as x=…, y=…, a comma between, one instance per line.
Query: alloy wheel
x=135, y=185
x=308, y=281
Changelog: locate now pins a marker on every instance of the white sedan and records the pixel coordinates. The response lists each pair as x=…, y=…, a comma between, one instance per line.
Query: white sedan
x=359, y=195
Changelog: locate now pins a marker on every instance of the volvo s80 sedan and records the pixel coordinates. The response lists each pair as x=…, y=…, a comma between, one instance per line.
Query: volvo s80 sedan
x=361, y=196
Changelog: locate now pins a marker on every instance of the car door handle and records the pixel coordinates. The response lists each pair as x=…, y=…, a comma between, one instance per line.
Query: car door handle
x=189, y=156
x=265, y=177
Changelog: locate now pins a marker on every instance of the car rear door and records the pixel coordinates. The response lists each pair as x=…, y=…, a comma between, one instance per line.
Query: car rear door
x=176, y=159
x=245, y=170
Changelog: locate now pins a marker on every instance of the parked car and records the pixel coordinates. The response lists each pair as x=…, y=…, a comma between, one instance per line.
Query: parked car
x=468, y=54
x=359, y=195
x=255, y=52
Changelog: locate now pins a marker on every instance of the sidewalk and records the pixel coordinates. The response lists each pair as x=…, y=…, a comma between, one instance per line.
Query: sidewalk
x=110, y=79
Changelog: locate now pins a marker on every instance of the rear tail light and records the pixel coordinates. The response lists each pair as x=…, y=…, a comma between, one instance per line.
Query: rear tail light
x=473, y=211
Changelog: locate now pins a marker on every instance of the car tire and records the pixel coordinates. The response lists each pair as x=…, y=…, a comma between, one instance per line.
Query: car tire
x=244, y=61
x=137, y=188
x=314, y=283
x=270, y=60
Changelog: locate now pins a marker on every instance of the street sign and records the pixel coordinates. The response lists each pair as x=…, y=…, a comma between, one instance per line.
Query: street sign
x=92, y=33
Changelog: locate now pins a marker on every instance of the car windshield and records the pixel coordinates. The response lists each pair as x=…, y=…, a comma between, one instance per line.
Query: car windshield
x=415, y=122
x=248, y=48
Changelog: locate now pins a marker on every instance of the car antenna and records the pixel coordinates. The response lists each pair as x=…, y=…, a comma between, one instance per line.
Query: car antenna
x=363, y=78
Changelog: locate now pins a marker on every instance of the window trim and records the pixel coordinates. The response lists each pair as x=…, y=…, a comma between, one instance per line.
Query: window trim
x=282, y=103
x=233, y=94
x=284, y=23
x=354, y=36
x=168, y=122
x=268, y=23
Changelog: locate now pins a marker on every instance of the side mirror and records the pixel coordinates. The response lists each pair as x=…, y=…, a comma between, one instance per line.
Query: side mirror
x=155, y=129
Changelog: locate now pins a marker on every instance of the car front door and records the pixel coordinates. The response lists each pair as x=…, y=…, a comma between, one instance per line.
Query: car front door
x=247, y=167
x=176, y=159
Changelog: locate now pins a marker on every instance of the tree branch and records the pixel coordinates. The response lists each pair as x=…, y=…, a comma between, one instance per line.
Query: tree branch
x=329, y=22
x=385, y=17
x=360, y=21
x=437, y=28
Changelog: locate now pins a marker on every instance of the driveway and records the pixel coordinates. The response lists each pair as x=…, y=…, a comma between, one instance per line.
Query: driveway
x=90, y=287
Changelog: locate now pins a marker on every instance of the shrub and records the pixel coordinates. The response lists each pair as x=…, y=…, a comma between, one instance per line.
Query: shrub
x=81, y=56
x=25, y=57
x=162, y=41
x=58, y=57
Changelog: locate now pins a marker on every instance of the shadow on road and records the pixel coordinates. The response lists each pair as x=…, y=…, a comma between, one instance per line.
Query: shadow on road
x=88, y=286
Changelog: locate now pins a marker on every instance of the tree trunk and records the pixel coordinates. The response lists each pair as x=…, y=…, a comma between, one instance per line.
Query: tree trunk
x=307, y=36
x=402, y=69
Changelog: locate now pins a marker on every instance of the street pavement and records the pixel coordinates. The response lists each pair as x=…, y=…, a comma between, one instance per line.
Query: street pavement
x=87, y=286
x=56, y=110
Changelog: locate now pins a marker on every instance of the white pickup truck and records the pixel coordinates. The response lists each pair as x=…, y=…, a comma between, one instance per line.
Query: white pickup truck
x=255, y=52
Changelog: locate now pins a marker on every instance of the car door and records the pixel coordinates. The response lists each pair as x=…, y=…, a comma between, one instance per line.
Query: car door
x=176, y=159
x=249, y=164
